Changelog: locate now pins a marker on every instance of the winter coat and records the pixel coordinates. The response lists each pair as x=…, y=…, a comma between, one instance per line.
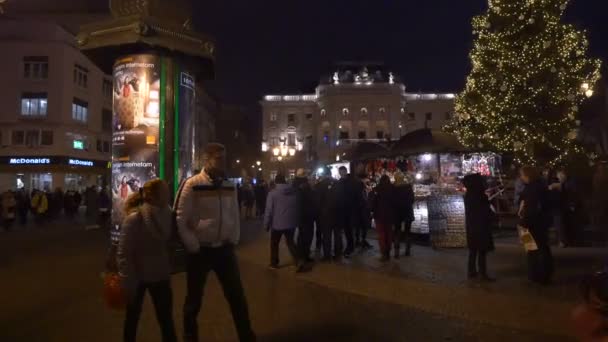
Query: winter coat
x=207, y=213
x=281, y=208
x=536, y=214
x=404, y=200
x=326, y=198
x=478, y=222
x=384, y=204
x=306, y=201
x=143, y=251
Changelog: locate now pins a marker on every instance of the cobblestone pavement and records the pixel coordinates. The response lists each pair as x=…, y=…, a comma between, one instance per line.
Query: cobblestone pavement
x=51, y=291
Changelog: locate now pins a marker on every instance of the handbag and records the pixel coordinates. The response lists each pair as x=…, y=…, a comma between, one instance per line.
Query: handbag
x=113, y=292
x=526, y=238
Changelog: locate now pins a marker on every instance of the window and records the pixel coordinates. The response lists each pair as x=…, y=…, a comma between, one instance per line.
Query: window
x=80, y=110
x=291, y=139
x=362, y=135
x=106, y=89
x=32, y=137
x=36, y=67
x=291, y=119
x=81, y=75
x=106, y=147
x=46, y=138
x=274, y=141
x=33, y=104
x=343, y=135
x=380, y=134
x=363, y=111
x=309, y=116
x=382, y=111
x=345, y=112
x=18, y=138
x=273, y=117
x=429, y=116
x=99, y=146
x=323, y=112
x=106, y=120
x=412, y=116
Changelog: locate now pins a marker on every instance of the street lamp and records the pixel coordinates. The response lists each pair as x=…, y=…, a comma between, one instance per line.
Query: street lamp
x=258, y=163
x=292, y=152
x=238, y=161
x=276, y=151
x=284, y=151
x=589, y=93
x=279, y=158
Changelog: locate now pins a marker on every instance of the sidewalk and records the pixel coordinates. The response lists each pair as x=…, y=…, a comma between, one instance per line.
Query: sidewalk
x=434, y=281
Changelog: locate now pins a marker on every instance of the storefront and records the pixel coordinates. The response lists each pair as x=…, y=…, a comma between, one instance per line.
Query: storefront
x=51, y=172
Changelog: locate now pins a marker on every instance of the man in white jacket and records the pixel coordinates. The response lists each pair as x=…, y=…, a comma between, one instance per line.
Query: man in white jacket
x=209, y=226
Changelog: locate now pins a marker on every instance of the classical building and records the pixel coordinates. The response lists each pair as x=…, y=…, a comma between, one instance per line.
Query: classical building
x=55, y=109
x=356, y=103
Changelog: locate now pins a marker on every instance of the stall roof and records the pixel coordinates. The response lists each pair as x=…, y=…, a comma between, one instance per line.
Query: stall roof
x=367, y=150
x=427, y=141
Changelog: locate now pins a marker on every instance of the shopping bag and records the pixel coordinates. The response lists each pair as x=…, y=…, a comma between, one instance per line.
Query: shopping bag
x=526, y=238
x=113, y=292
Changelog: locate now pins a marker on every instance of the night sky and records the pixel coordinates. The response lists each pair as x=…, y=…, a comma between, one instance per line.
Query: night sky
x=278, y=46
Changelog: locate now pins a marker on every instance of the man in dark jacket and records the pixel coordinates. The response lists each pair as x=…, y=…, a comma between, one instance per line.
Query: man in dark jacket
x=361, y=216
x=306, y=214
x=326, y=195
x=345, y=208
x=261, y=193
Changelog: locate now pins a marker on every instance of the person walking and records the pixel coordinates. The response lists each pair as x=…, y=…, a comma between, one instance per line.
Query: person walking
x=39, y=206
x=209, y=226
x=9, y=209
x=383, y=208
x=23, y=206
x=105, y=207
x=478, y=220
x=261, y=194
x=306, y=214
x=248, y=200
x=361, y=215
x=143, y=258
x=345, y=209
x=281, y=219
x=535, y=216
x=404, y=200
x=92, y=203
x=568, y=208
x=327, y=201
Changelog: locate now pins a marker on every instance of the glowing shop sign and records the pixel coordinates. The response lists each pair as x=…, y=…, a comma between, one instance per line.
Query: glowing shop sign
x=29, y=161
x=78, y=162
x=78, y=145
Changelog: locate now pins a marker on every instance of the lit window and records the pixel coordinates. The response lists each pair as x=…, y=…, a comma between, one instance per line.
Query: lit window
x=36, y=67
x=273, y=117
x=323, y=112
x=81, y=76
x=80, y=110
x=345, y=111
x=363, y=111
x=34, y=104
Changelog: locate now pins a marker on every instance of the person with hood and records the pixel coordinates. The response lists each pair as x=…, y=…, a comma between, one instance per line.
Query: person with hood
x=306, y=214
x=383, y=208
x=536, y=217
x=208, y=223
x=143, y=258
x=404, y=200
x=9, y=208
x=281, y=218
x=478, y=220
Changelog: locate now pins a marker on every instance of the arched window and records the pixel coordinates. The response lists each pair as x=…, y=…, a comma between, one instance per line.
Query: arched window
x=382, y=111
x=345, y=111
x=323, y=112
x=363, y=111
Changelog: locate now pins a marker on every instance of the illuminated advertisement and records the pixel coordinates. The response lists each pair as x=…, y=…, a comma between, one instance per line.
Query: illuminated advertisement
x=185, y=134
x=136, y=117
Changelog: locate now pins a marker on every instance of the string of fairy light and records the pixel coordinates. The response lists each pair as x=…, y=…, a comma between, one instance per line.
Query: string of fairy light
x=529, y=76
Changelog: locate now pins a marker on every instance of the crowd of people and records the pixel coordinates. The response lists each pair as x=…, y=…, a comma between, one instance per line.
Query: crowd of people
x=18, y=207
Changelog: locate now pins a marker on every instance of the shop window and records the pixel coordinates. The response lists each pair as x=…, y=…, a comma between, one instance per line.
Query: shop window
x=273, y=117
x=412, y=116
x=106, y=120
x=46, y=138
x=99, y=146
x=106, y=147
x=73, y=181
x=81, y=75
x=345, y=112
x=42, y=181
x=34, y=104
x=32, y=137
x=362, y=135
x=106, y=89
x=80, y=110
x=36, y=67
x=380, y=134
x=18, y=138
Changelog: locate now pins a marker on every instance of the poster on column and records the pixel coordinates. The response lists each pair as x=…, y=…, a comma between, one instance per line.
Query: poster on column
x=187, y=107
x=136, y=120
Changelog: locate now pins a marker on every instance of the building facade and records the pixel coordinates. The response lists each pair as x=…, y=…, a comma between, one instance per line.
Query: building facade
x=356, y=103
x=55, y=110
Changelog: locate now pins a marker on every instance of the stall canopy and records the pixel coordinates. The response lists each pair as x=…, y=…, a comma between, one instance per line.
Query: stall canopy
x=367, y=150
x=427, y=141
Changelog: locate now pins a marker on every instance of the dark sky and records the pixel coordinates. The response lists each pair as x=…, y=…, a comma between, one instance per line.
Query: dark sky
x=278, y=46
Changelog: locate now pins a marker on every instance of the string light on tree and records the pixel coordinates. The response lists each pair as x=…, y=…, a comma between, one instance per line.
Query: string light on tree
x=530, y=74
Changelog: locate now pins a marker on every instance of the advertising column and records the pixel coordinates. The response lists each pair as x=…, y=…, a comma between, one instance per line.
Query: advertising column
x=185, y=144
x=136, y=125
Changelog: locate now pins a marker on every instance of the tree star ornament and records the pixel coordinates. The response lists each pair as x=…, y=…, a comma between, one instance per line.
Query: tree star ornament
x=533, y=100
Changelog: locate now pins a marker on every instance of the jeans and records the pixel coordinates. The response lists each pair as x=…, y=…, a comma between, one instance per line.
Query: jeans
x=162, y=298
x=477, y=263
x=362, y=223
x=305, y=235
x=331, y=231
x=223, y=261
x=275, y=239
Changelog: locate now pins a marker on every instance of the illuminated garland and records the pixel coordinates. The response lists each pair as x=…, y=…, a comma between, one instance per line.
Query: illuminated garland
x=529, y=76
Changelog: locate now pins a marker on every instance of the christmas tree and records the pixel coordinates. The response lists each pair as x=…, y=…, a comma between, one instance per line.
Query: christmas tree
x=530, y=73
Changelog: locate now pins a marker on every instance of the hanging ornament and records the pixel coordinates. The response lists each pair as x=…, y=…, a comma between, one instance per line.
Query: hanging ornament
x=518, y=145
x=575, y=108
x=497, y=10
x=465, y=116
x=503, y=87
x=579, y=53
x=480, y=145
x=570, y=97
x=547, y=44
x=571, y=116
x=573, y=134
x=543, y=139
x=563, y=7
x=493, y=81
x=531, y=21
x=488, y=25
x=521, y=17
x=553, y=70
